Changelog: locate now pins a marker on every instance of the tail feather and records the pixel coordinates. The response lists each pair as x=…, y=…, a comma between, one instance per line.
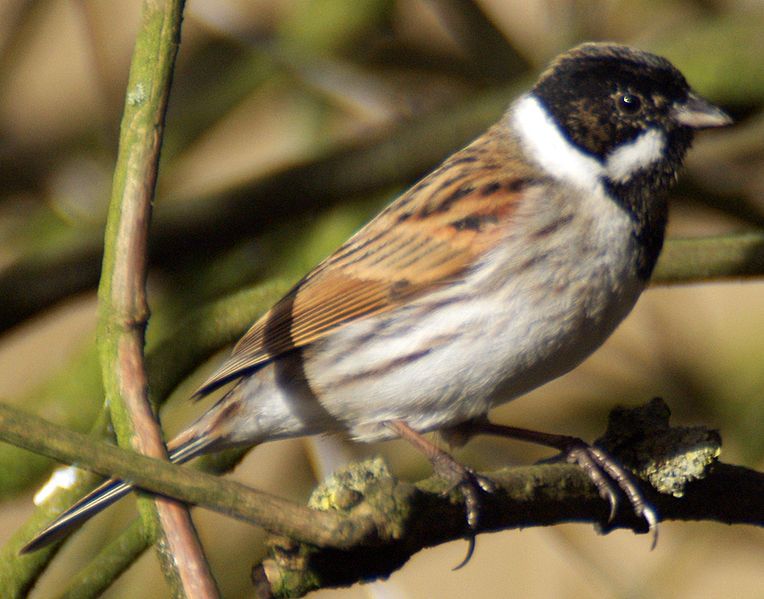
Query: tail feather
x=98, y=499
x=103, y=496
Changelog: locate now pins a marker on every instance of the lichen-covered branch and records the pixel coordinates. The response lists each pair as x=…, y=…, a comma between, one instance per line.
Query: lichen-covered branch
x=541, y=495
x=365, y=523
x=686, y=482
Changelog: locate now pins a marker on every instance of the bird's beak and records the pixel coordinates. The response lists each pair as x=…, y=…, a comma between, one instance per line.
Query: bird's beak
x=697, y=113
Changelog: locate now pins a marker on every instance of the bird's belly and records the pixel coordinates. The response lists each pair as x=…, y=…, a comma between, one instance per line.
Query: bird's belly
x=437, y=366
x=526, y=313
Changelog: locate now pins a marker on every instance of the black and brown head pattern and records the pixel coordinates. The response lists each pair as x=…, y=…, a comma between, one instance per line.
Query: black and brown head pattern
x=605, y=95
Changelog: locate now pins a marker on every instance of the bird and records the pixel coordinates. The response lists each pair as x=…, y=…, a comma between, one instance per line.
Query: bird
x=499, y=271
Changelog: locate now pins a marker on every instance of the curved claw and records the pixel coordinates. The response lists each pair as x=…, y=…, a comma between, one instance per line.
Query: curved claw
x=606, y=473
x=465, y=479
x=612, y=499
x=590, y=462
x=651, y=517
x=470, y=551
x=469, y=485
x=458, y=475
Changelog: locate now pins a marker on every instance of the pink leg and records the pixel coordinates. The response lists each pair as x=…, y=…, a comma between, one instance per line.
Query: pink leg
x=458, y=475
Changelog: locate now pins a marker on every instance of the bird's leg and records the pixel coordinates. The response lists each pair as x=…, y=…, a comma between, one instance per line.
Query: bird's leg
x=603, y=470
x=469, y=483
x=445, y=466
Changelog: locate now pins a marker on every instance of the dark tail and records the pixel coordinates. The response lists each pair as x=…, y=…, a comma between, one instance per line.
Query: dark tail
x=102, y=497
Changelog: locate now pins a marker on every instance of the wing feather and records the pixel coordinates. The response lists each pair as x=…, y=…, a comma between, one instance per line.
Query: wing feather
x=429, y=236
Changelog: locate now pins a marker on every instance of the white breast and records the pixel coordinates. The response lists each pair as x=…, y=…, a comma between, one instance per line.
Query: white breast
x=541, y=302
x=538, y=305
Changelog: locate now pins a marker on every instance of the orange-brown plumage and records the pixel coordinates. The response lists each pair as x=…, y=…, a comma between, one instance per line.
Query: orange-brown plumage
x=428, y=237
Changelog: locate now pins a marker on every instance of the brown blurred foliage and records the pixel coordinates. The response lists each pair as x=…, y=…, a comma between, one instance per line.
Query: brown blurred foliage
x=291, y=122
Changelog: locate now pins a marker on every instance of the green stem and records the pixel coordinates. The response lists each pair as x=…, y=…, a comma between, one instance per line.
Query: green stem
x=700, y=259
x=123, y=308
x=98, y=575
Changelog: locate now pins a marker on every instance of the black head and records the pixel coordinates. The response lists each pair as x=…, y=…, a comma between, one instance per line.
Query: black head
x=635, y=114
x=605, y=95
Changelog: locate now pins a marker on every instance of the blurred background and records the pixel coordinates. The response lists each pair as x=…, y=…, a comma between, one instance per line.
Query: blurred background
x=291, y=122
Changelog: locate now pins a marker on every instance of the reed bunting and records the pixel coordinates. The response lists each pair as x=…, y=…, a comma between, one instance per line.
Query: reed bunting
x=501, y=270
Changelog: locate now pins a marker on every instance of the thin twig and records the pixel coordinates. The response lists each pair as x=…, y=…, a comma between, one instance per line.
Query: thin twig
x=224, y=496
x=694, y=260
x=123, y=309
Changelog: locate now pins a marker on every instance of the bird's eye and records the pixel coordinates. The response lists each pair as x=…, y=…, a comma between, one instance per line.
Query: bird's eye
x=629, y=103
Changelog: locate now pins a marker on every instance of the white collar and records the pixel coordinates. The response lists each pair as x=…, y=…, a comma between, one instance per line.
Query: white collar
x=545, y=144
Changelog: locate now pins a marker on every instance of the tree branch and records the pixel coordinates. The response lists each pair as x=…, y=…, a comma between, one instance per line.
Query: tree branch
x=527, y=496
x=170, y=359
x=181, y=482
x=368, y=530
x=711, y=258
x=123, y=309
x=679, y=463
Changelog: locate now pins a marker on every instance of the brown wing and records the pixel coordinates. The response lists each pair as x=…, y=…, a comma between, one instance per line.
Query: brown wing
x=429, y=236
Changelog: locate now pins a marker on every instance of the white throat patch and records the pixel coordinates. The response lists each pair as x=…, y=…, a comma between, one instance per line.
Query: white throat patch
x=636, y=155
x=542, y=139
